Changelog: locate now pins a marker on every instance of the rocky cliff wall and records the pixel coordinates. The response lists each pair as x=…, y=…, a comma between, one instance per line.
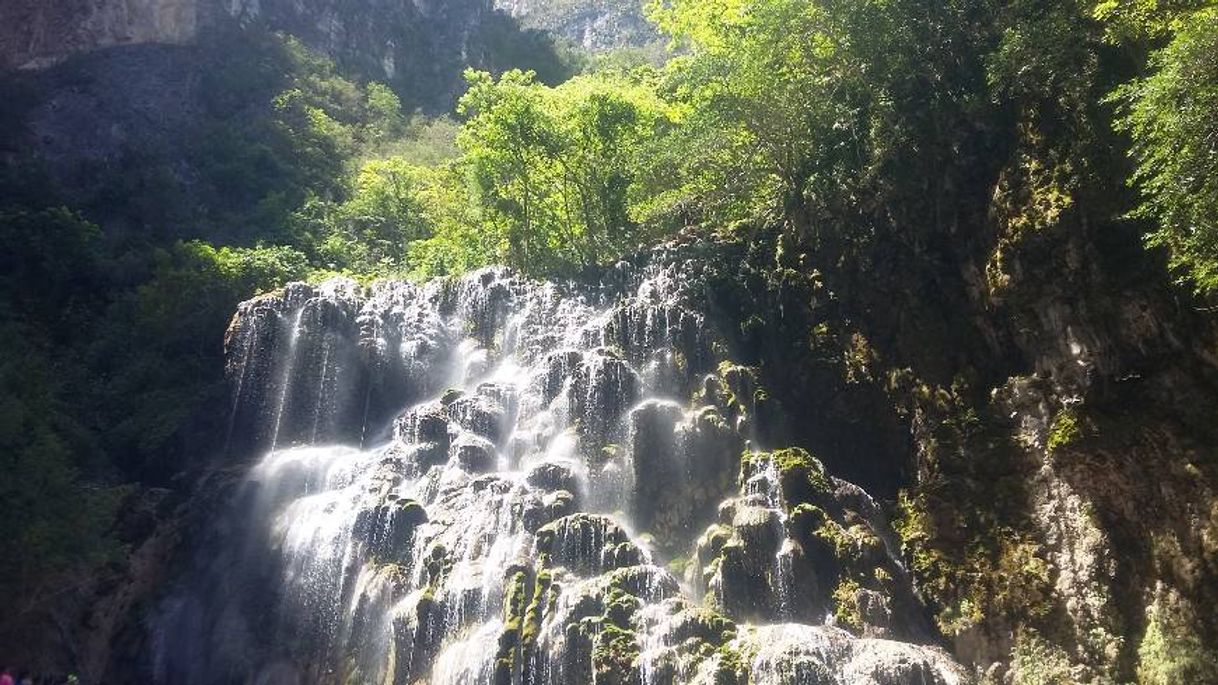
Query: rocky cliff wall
x=595, y=25
x=420, y=47
x=36, y=34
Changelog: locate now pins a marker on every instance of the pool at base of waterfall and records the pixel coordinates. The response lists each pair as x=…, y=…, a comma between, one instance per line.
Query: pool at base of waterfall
x=492, y=479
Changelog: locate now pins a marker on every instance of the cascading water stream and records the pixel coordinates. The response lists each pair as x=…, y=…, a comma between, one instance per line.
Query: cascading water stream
x=557, y=456
x=285, y=383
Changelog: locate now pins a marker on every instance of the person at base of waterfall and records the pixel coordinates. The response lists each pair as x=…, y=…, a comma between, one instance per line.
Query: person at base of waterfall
x=6, y=676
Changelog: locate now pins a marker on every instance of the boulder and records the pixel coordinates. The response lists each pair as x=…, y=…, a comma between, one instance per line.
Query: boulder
x=387, y=529
x=553, y=476
x=587, y=544
x=475, y=454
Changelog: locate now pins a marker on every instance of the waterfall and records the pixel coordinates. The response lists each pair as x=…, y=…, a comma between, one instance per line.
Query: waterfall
x=498, y=480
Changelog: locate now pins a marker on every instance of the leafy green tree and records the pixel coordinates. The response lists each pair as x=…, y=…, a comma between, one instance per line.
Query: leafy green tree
x=112, y=373
x=461, y=238
x=554, y=167
x=370, y=232
x=283, y=126
x=507, y=141
x=1132, y=21
x=56, y=518
x=1172, y=116
x=840, y=115
x=56, y=521
x=48, y=268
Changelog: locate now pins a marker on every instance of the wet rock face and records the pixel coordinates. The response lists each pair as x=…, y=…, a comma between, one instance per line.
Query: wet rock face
x=808, y=654
x=557, y=455
x=387, y=529
x=297, y=369
x=551, y=477
x=587, y=545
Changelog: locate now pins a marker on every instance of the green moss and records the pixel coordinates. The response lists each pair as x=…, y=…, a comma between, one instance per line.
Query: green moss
x=427, y=609
x=882, y=576
x=832, y=532
x=730, y=669
x=1002, y=572
x=853, y=544
x=615, y=654
x=610, y=452
x=515, y=598
x=620, y=607
x=805, y=519
x=701, y=629
x=615, y=649
x=739, y=382
x=412, y=510
x=540, y=603
x=798, y=459
x=680, y=362
x=1065, y=430
x=509, y=656
x=845, y=605
x=859, y=358
x=802, y=476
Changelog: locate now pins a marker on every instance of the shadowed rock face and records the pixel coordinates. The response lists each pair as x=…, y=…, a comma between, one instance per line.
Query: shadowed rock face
x=35, y=33
x=528, y=468
x=418, y=47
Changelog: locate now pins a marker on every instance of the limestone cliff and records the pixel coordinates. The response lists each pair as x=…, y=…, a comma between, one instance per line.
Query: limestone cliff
x=419, y=47
x=36, y=34
x=595, y=25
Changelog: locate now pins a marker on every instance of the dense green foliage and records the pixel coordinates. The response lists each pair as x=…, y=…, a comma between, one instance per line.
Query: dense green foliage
x=543, y=178
x=113, y=366
x=51, y=515
x=1173, y=118
x=857, y=121
x=109, y=371
x=553, y=169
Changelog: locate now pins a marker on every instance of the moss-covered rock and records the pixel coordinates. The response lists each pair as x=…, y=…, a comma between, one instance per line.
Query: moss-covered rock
x=388, y=529
x=511, y=653
x=544, y=594
x=801, y=476
x=586, y=544
x=1064, y=431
